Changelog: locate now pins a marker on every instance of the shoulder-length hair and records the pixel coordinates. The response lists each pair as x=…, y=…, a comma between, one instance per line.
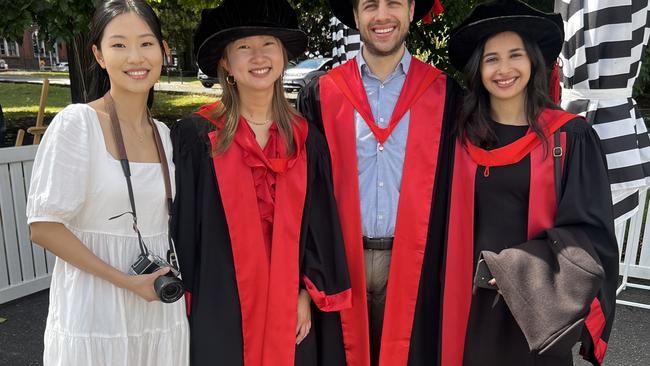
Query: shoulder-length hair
x=475, y=114
x=282, y=112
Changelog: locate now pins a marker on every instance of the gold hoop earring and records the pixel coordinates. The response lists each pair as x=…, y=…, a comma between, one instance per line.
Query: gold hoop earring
x=230, y=79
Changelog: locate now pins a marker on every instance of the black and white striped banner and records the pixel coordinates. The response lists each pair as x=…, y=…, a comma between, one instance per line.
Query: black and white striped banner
x=346, y=42
x=601, y=59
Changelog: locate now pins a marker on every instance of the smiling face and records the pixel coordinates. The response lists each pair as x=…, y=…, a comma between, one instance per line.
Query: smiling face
x=130, y=53
x=505, y=67
x=255, y=62
x=383, y=24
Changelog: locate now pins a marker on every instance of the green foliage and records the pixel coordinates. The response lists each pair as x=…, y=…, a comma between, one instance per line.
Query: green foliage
x=179, y=18
x=56, y=19
x=15, y=19
x=429, y=41
x=314, y=18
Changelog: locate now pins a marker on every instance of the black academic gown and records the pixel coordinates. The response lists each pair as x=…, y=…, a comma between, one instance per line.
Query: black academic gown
x=203, y=241
x=501, y=220
x=420, y=320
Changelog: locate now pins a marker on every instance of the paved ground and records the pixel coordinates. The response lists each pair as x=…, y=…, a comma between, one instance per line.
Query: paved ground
x=21, y=335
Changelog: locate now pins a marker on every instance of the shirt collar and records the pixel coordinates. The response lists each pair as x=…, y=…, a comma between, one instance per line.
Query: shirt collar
x=402, y=67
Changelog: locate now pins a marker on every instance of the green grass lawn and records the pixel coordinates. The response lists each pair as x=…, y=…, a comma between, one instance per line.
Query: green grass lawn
x=169, y=106
x=20, y=101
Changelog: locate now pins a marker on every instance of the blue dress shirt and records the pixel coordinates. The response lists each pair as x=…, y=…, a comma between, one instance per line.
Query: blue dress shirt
x=380, y=171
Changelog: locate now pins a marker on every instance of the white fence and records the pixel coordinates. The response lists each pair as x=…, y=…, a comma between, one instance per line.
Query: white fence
x=24, y=267
x=636, y=245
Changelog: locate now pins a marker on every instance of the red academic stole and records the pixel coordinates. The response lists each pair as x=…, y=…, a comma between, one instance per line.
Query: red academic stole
x=268, y=292
x=423, y=93
x=460, y=244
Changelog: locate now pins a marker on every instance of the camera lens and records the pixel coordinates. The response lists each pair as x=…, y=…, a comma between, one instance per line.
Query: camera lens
x=169, y=288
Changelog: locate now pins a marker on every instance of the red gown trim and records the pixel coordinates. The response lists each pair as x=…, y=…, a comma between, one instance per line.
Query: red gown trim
x=595, y=324
x=514, y=152
x=542, y=208
x=325, y=302
x=267, y=290
x=188, y=303
x=351, y=86
x=414, y=206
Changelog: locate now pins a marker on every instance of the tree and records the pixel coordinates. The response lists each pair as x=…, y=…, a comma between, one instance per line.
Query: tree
x=314, y=18
x=179, y=18
x=67, y=20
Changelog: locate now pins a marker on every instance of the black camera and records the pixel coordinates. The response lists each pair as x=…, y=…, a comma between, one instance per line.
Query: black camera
x=169, y=287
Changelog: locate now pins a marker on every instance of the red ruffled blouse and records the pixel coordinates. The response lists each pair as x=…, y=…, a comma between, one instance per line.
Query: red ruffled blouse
x=265, y=164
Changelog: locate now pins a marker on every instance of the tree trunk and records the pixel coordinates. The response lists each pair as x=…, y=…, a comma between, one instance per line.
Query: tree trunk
x=79, y=60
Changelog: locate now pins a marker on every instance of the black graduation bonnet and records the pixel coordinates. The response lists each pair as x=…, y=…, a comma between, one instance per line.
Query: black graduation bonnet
x=235, y=19
x=490, y=18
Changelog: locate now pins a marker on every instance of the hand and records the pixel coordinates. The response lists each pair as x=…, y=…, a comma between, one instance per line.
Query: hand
x=493, y=282
x=304, y=316
x=142, y=285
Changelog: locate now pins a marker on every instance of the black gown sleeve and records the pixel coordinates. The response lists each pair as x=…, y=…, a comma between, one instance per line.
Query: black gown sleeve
x=189, y=147
x=308, y=104
x=586, y=204
x=324, y=271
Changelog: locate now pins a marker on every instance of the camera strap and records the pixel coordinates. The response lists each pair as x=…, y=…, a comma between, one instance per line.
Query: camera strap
x=124, y=161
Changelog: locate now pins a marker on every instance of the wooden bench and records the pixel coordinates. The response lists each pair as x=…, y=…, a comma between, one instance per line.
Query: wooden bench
x=24, y=267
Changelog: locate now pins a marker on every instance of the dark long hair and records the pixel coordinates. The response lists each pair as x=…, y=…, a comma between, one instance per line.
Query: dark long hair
x=475, y=116
x=104, y=13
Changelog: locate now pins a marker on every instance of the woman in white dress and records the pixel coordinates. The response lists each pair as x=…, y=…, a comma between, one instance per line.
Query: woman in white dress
x=100, y=314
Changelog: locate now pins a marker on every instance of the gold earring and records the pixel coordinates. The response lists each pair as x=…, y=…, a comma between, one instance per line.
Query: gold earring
x=230, y=79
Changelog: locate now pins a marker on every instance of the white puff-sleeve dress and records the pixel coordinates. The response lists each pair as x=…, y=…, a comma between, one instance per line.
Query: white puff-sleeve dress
x=77, y=182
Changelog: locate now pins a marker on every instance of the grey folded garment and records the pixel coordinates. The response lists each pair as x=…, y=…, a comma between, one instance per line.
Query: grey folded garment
x=548, y=285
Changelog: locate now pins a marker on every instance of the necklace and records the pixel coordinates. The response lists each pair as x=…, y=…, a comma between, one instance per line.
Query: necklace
x=140, y=137
x=257, y=123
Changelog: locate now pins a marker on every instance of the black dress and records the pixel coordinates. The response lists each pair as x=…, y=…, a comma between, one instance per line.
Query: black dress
x=203, y=242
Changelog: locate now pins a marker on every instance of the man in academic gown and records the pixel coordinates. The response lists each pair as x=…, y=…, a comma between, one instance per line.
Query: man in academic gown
x=386, y=117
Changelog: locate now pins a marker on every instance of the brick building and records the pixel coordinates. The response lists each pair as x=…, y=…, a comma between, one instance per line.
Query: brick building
x=31, y=52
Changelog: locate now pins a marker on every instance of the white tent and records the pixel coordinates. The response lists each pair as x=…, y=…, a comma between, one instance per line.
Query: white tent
x=346, y=41
x=600, y=61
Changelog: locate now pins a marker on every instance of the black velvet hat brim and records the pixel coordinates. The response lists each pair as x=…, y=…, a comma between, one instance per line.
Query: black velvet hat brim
x=211, y=51
x=343, y=11
x=544, y=31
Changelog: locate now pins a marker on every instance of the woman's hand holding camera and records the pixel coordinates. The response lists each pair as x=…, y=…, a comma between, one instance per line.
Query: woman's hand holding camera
x=304, y=316
x=143, y=285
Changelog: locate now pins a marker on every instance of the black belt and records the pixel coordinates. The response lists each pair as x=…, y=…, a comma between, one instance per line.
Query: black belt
x=377, y=243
